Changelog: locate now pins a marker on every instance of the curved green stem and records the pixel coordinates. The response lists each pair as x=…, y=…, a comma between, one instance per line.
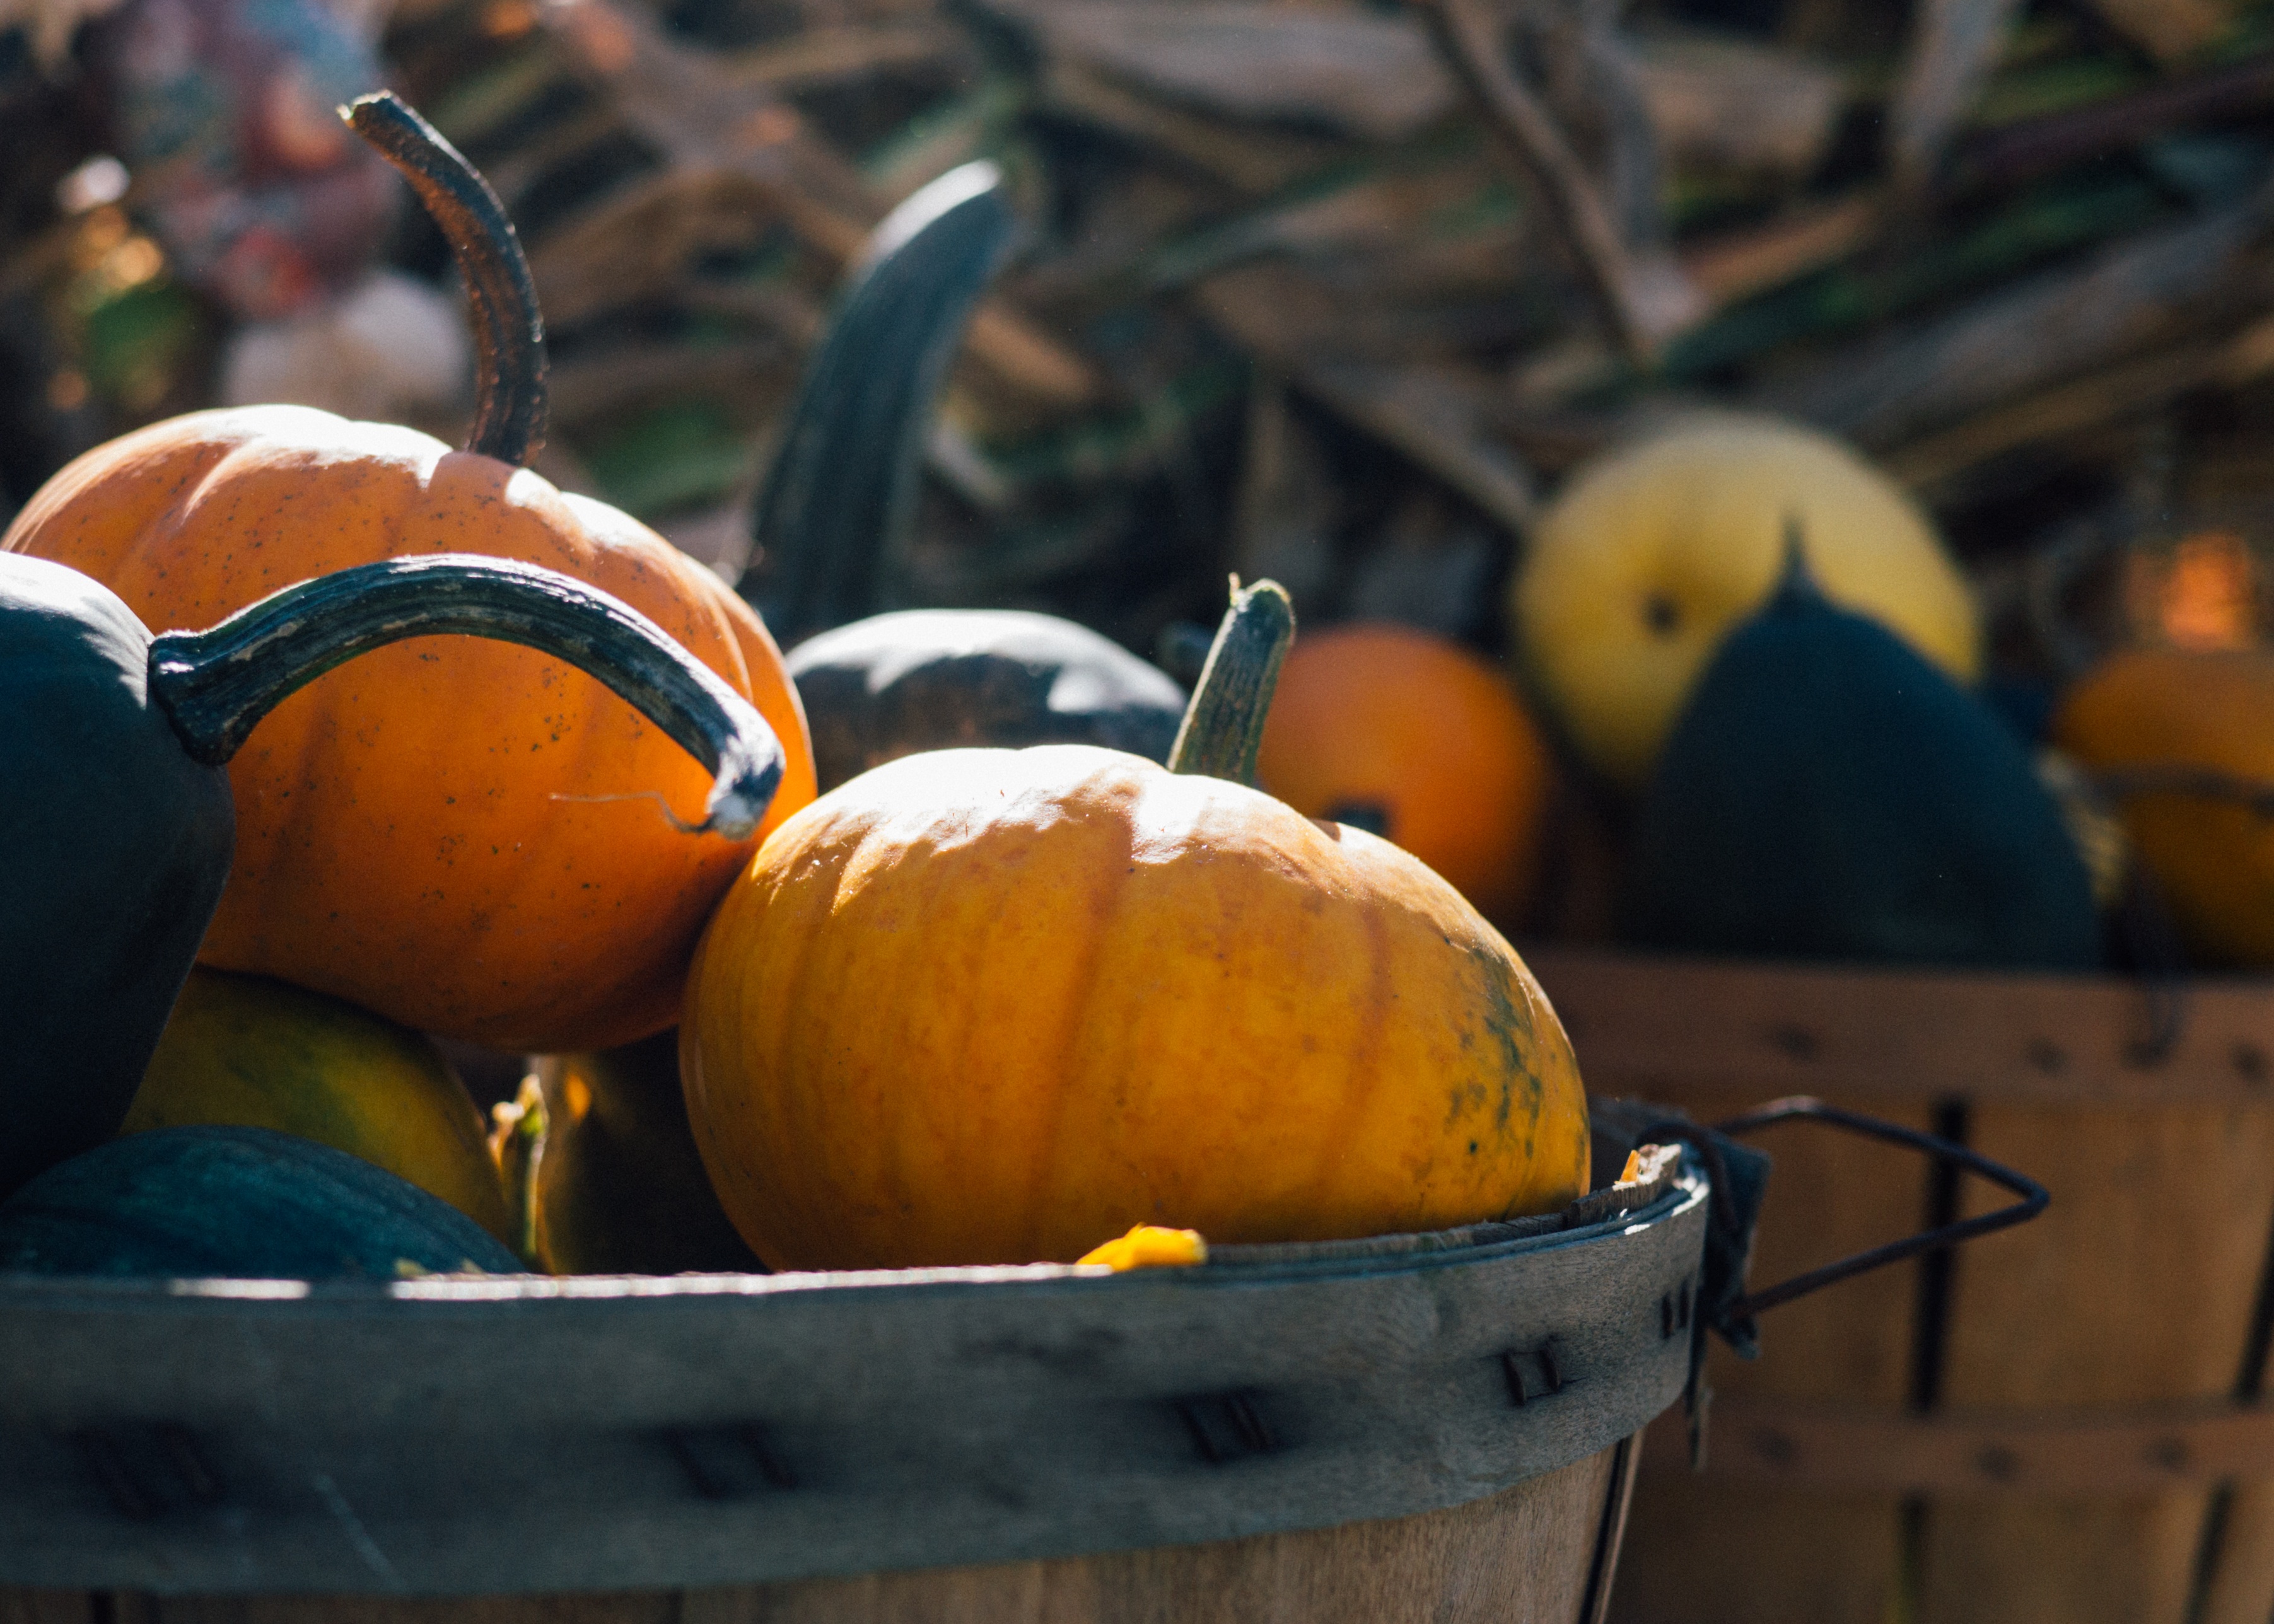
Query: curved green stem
x=216, y=685
x=509, y=329
x=835, y=513
x=1224, y=726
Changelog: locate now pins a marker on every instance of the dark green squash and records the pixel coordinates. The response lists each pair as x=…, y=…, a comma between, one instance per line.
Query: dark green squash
x=1827, y=794
x=939, y=679
x=833, y=519
x=238, y=1204
x=115, y=812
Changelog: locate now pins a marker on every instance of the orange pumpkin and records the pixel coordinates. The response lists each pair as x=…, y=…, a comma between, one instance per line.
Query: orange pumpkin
x=2185, y=741
x=438, y=833
x=1084, y=993
x=1420, y=742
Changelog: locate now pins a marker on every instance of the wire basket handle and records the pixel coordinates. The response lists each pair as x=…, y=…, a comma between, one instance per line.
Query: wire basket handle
x=2034, y=1196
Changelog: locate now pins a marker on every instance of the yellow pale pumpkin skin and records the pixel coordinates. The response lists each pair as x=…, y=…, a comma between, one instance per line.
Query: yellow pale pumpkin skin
x=245, y=1051
x=2212, y=857
x=454, y=833
x=1654, y=551
x=990, y=1006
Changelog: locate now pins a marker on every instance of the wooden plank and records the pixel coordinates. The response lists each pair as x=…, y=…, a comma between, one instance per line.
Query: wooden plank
x=1697, y=1553
x=46, y=1608
x=2138, y=1284
x=2241, y=1582
x=1524, y=1553
x=2135, y=1287
x=1824, y=1559
x=1663, y=1028
x=2239, y=1586
x=641, y=1607
x=2198, y=1444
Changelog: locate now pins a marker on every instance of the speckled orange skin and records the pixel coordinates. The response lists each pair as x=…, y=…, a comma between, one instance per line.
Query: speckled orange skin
x=1390, y=716
x=994, y=1006
x=2213, y=860
x=407, y=835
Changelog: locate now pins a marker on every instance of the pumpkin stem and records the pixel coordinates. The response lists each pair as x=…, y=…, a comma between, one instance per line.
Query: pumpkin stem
x=216, y=685
x=501, y=299
x=1224, y=726
x=1795, y=584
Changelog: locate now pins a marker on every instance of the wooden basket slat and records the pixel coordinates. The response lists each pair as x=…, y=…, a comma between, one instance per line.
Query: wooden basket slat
x=1828, y=1560
x=2137, y=1286
x=1529, y=1552
x=2138, y=1283
x=2241, y=1589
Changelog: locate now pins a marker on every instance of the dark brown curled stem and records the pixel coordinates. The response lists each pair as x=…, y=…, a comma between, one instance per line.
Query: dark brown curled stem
x=509, y=329
x=1222, y=730
x=216, y=685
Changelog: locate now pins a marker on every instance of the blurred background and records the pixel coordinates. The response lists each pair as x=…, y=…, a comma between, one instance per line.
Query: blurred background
x=1323, y=290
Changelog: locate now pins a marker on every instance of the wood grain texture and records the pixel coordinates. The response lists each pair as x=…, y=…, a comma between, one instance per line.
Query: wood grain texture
x=630, y=1607
x=2240, y=1588
x=2137, y=1289
x=2138, y=1283
x=1822, y=1558
x=1697, y=1553
x=2004, y=1453
x=1524, y=1553
x=1666, y=1027
x=46, y=1608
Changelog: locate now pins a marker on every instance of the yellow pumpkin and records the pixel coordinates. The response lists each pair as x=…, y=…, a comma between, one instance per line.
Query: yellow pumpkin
x=1655, y=551
x=991, y=1006
x=244, y=1051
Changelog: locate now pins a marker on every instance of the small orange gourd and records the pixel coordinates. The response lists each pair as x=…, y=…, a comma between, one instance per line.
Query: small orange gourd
x=441, y=833
x=2184, y=741
x=992, y=1006
x=1420, y=742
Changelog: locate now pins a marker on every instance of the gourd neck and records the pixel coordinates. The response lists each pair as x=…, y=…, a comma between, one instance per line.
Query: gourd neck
x=510, y=402
x=214, y=685
x=833, y=516
x=1222, y=729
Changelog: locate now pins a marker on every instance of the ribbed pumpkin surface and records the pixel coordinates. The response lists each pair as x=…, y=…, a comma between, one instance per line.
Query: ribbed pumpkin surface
x=985, y=1006
x=419, y=831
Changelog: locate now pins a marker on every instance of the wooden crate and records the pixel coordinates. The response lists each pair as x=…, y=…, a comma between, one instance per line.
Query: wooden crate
x=2061, y=1422
x=1413, y=1428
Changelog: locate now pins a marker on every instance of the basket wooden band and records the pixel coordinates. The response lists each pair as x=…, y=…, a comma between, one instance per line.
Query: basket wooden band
x=2150, y=1449
x=1664, y=1028
x=469, y=1437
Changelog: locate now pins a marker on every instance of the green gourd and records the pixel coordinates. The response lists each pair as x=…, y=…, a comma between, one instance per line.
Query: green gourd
x=239, y=1204
x=116, y=823
x=1827, y=794
x=833, y=519
x=941, y=679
